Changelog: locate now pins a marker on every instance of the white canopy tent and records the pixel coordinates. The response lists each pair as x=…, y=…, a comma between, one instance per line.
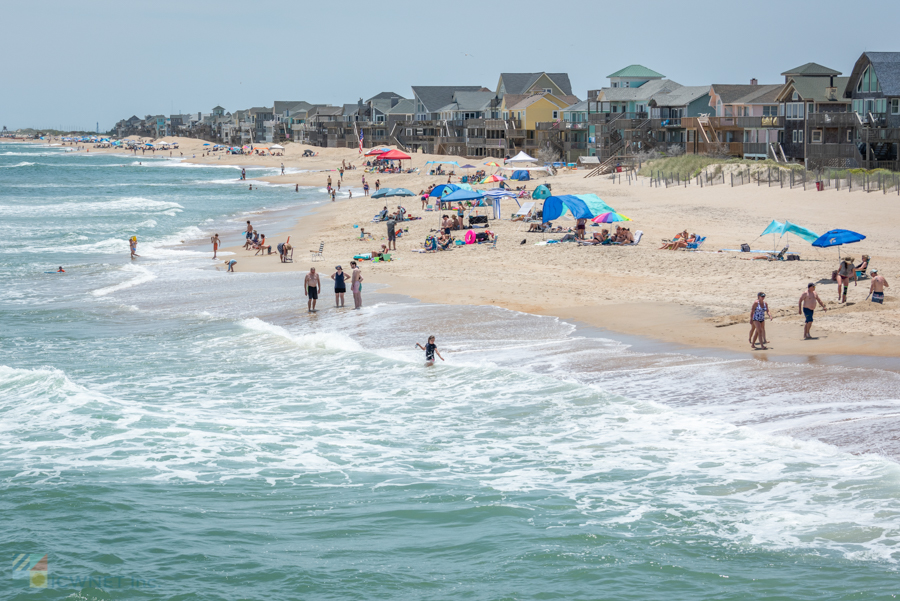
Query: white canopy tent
x=522, y=158
x=276, y=147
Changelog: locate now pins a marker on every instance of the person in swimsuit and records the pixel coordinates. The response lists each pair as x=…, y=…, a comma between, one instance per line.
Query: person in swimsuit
x=215, y=242
x=340, y=287
x=876, y=289
x=60, y=270
x=579, y=228
x=846, y=271
x=312, y=287
x=808, y=302
x=758, y=313
x=356, y=285
x=446, y=224
x=430, y=349
x=132, y=243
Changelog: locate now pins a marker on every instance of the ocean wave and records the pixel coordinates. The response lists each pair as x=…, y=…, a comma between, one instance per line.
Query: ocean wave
x=331, y=341
x=131, y=204
x=143, y=276
x=22, y=164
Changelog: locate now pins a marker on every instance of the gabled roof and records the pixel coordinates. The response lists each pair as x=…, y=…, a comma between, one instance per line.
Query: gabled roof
x=580, y=107
x=887, y=68
x=520, y=83
x=683, y=96
x=384, y=96
x=299, y=107
x=811, y=69
x=259, y=109
x=644, y=92
x=404, y=107
x=813, y=89
x=435, y=97
x=636, y=71
x=218, y=108
x=281, y=105
x=349, y=109
x=747, y=93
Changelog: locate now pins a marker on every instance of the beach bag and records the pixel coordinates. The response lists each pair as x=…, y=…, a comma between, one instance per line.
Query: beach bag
x=745, y=248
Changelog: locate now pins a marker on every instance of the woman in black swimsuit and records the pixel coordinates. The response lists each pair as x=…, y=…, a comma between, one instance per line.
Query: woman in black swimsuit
x=340, y=287
x=430, y=349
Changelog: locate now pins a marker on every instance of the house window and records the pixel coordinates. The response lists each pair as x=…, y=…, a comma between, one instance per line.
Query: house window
x=816, y=136
x=895, y=106
x=556, y=114
x=868, y=82
x=849, y=136
x=800, y=136
x=548, y=90
x=604, y=107
x=795, y=96
x=615, y=84
x=794, y=136
x=881, y=105
x=810, y=108
x=770, y=111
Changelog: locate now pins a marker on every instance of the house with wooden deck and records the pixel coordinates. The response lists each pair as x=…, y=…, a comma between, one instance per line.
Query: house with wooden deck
x=810, y=89
x=873, y=91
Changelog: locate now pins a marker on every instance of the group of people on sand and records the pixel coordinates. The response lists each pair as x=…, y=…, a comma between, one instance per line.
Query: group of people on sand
x=312, y=287
x=807, y=305
x=622, y=235
x=681, y=240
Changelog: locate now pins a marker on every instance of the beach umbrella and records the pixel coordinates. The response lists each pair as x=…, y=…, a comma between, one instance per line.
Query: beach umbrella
x=403, y=192
x=375, y=151
x=610, y=218
x=206, y=144
x=463, y=195
x=493, y=178
x=383, y=193
x=492, y=164
x=468, y=167
x=838, y=238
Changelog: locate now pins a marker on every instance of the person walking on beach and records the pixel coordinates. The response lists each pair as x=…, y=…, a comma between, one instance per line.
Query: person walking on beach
x=329, y=182
x=430, y=349
x=876, y=289
x=846, y=271
x=340, y=287
x=808, y=302
x=356, y=285
x=341, y=172
x=312, y=287
x=215, y=242
x=392, y=233
x=132, y=243
x=365, y=188
x=332, y=195
x=243, y=173
x=758, y=313
x=377, y=185
x=282, y=169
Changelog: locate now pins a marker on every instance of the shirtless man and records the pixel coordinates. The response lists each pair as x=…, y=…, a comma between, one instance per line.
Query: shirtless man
x=311, y=288
x=446, y=224
x=215, y=242
x=356, y=285
x=877, y=287
x=806, y=307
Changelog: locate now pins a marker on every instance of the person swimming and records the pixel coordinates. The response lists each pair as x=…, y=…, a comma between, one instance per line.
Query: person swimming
x=60, y=270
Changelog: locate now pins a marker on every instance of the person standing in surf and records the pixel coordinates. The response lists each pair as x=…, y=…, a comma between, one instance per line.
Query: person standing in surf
x=356, y=285
x=758, y=313
x=132, y=243
x=808, y=302
x=215, y=242
x=430, y=349
x=340, y=287
x=312, y=287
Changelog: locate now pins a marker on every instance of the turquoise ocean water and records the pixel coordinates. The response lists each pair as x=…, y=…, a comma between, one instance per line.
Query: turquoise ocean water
x=169, y=431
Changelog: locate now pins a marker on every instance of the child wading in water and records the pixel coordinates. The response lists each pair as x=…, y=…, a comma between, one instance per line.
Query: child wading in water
x=430, y=349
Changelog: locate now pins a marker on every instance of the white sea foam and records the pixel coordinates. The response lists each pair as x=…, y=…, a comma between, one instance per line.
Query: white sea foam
x=332, y=341
x=132, y=204
x=143, y=276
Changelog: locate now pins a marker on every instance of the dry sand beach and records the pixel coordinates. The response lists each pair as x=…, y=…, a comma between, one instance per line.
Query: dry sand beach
x=695, y=298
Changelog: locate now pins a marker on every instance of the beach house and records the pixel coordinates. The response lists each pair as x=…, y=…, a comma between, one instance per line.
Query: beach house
x=428, y=131
x=741, y=121
x=868, y=135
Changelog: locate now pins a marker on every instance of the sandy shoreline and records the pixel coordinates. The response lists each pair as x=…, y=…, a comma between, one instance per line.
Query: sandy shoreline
x=692, y=298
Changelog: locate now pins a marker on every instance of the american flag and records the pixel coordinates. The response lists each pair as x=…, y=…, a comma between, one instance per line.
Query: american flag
x=361, y=135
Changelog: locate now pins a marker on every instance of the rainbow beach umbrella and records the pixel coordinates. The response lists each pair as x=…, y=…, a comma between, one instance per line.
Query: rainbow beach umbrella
x=610, y=218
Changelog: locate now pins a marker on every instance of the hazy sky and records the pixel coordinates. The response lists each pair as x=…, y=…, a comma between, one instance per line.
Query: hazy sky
x=72, y=63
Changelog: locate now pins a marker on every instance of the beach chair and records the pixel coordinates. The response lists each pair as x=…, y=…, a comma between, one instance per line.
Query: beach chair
x=779, y=256
x=317, y=255
x=698, y=243
x=637, y=238
x=525, y=211
x=429, y=207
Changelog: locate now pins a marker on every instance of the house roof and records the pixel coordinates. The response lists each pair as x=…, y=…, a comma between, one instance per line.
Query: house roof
x=259, y=109
x=887, y=68
x=469, y=101
x=810, y=69
x=281, y=105
x=404, y=107
x=636, y=71
x=681, y=96
x=218, y=108
x=747, y=93
x=520, y=83
x=300, y=107
x=813, y=89
x=644, y=92
x=579, y=107
x=384, y=96
x=435, y=97
x=349, y=109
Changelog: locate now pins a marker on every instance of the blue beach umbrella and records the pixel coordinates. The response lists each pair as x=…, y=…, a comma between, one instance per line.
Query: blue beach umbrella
x=837, y=238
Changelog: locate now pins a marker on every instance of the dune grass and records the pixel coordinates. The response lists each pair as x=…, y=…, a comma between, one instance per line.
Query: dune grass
x=690, y=165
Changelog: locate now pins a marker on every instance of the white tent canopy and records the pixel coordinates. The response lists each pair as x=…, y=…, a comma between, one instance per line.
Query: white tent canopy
x=522, y=158
x=277, y=147
x=520, y=168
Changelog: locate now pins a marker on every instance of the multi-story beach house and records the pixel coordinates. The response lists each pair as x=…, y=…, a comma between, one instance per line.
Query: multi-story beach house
x=741, y=120
x=868, y=135
x=641, y=110
x=810, y=89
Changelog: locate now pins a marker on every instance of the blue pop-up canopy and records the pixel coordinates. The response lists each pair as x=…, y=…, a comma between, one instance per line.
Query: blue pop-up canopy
x=540, y=192
x=462, y=196
x=596, y=205
x=555, y=206
x=520, y=175
x=443, y=190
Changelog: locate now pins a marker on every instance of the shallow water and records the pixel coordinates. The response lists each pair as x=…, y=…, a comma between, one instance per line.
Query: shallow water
x=198, y=435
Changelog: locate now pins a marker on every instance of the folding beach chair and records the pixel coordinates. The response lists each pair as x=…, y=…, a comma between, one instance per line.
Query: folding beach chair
x=525, y=211
x=698, y=243
x=318, y=255
x=637, y=238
